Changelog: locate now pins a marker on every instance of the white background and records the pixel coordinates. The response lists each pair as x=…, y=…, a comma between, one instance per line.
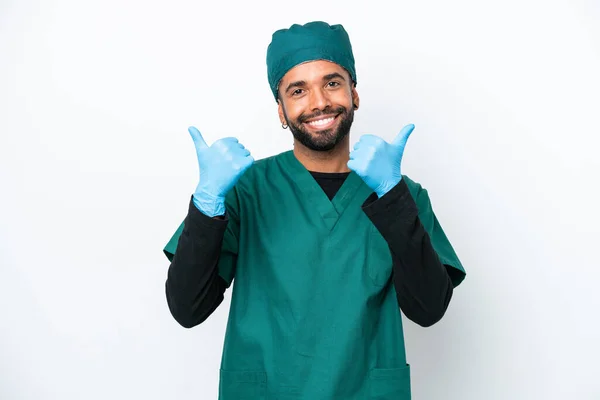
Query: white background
x=97, y=169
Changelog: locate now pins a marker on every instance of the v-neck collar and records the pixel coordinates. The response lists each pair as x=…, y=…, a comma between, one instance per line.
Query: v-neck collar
x=330, y=210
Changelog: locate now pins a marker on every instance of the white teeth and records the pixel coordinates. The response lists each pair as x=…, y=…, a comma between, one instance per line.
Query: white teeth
x=320, y=122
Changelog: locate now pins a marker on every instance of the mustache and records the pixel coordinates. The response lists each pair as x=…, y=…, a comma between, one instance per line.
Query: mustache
x=328, y=111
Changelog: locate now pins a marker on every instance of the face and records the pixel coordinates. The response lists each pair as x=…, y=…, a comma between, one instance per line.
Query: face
x=317, y=101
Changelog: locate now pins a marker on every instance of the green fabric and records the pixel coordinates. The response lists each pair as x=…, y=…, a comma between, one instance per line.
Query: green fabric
x=313, y=311
x=309, y=42
x=438, y=237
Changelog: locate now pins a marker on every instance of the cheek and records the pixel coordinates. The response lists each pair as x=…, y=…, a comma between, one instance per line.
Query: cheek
x=342, y=98
x=293, y=111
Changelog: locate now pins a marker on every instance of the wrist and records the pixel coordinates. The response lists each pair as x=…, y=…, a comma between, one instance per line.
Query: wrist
x=208, y=204
x=387, y=186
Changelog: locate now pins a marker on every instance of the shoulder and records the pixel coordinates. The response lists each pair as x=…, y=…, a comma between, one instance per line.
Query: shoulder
x=415, y=188
x=418, y=193
x=257, y=172
x=253, y=179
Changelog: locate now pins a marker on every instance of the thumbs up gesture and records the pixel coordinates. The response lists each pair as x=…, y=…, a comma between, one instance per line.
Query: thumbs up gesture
x=377, y=162
x=221, y=165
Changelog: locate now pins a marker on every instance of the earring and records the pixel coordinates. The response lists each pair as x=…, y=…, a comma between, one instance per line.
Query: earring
x=284, y=126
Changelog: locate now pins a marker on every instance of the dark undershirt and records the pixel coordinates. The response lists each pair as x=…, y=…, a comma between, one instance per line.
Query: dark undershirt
x=422, y=283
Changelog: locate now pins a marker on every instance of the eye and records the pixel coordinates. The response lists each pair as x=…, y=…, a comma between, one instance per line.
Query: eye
x=333, y=84
x=297, y=92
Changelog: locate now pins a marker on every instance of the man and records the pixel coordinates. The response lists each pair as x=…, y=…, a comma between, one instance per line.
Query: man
x=326, y=245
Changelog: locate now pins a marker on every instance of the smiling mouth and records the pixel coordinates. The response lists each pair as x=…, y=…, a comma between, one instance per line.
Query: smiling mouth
x=322, y=123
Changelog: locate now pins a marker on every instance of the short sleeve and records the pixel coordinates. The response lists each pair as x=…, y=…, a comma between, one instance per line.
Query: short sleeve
x=229, y=247
x=439, y=240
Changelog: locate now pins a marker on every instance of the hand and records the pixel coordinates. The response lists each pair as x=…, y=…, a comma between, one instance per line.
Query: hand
x=221, y=165
x=377, y=162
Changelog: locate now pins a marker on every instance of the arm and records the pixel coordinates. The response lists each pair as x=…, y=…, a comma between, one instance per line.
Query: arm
x=203, y=250
x=194, y=288
x=422, y=283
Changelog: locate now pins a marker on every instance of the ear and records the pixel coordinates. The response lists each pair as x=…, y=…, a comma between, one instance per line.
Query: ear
x=355, y=98
x=280, y=111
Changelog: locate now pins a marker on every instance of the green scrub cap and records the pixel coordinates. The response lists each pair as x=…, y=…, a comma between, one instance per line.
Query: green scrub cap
x=309, y=42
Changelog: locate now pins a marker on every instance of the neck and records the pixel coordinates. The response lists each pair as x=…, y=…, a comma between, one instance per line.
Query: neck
x=334, y=160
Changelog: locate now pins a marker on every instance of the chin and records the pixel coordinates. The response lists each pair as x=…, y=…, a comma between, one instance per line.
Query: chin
x=324, y=145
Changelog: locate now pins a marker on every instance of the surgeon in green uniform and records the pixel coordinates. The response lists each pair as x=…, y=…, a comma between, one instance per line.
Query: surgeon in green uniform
x=323, y=246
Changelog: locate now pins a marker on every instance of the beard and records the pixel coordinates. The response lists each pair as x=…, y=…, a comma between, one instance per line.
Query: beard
x=327, y=139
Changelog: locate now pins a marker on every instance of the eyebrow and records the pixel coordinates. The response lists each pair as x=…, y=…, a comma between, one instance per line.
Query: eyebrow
x=325, y=78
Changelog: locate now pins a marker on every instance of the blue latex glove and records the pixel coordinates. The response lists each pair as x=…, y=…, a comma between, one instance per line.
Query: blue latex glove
x=377, y=162
x=221, y=165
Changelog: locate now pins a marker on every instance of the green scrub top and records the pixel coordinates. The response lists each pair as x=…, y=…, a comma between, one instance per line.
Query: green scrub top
x=313, y=312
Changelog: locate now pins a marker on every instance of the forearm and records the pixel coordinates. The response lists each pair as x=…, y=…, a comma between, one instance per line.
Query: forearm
x=194, y=288
x=423, y=286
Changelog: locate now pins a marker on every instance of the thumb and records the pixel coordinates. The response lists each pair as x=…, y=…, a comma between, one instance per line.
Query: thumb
x=402, y=137
x=197, y=138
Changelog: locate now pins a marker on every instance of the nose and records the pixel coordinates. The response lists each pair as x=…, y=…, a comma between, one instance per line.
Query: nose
x=319, y=99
